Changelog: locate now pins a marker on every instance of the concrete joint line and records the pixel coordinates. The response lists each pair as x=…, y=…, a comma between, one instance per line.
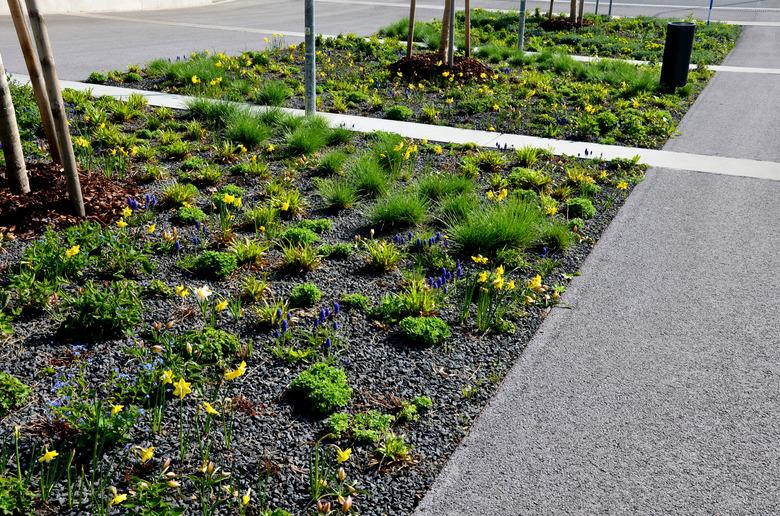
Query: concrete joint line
x=654, y=158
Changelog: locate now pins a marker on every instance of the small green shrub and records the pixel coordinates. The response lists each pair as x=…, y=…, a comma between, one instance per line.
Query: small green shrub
x=528, y=178
x=356, y=300
x=99, y=313
x=322, y=388
x=398, y=112
x=209, y=345
x=16, y=499
x=579, y=207
x=299, y=236
x=428, y=331
x=215, y=113
x=316, y=225
x=410, y=411
x=190, y=215
x=13, y=393
x=213, y=263
x=338, y=251
x=249, y=251
x=364, y=428
x=304, y=295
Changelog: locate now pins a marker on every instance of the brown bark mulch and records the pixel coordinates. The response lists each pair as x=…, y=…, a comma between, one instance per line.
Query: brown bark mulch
x=429, y=66
x=47, y=203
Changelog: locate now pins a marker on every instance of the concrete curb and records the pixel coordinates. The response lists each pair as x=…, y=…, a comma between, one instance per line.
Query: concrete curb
x=86, y=6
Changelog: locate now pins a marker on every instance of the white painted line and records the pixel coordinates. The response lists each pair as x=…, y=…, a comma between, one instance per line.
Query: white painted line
x=226, y=28
x=654, y=158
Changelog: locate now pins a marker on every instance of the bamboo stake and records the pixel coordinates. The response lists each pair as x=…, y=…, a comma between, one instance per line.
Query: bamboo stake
x=410, y=35
x=36, y=80
x=49, y=71
x=467, y=8
x=15, y=170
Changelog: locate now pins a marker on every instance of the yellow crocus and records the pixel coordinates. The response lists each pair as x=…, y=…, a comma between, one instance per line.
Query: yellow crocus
x=145, y=454
x=126, y=211
x=209, y=408
x=483, y=276
x=182, y=291
x=116, y=409
x=121, y=223
x=167, y=377
x=118, y=498
x=221, y=306
x=246, y=498
x=343, y=455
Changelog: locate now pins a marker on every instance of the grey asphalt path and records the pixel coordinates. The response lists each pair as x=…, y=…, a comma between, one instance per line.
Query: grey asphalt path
x=738, y=114
x=115, y=40
x=656, y=390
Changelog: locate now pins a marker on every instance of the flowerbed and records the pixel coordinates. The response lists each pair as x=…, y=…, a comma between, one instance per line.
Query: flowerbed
x=547, y=95
x=641, y=38
x=286, y=317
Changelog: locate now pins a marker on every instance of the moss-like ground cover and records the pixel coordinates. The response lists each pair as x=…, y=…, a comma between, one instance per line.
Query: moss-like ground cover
x=548, y=95
x=297, y=318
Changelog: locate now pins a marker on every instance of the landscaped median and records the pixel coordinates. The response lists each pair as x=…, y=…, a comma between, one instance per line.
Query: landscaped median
x=266, y=314
x=504, y=90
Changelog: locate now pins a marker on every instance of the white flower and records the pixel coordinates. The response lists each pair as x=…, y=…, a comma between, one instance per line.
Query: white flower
x=203, y=293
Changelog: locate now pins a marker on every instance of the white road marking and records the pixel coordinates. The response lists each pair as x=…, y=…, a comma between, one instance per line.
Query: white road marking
x=654, y=158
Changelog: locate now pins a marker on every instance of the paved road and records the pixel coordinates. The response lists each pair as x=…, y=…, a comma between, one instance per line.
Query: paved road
x=84, y=43
x=658, y=391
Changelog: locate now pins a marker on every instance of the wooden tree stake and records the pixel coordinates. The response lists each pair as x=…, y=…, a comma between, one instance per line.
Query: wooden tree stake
x=49, y=71
x=467, y=8
x=15, y=170
x=36, y=80
x=410, y=35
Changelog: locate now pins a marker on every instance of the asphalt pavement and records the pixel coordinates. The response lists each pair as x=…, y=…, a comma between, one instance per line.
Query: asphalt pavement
x=90, y=42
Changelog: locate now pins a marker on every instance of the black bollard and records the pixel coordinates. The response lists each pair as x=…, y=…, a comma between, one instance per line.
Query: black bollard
x=677, y=54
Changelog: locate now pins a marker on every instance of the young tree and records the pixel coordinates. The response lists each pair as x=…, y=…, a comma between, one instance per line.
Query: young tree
x=15, y=170
x=444, y=40
x=410, y=33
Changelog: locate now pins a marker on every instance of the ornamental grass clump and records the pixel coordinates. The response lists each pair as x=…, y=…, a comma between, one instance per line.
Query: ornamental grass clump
x=332, y=162
x=337, y=193
x=273, y=93
x=246, y=128
x=311, y=136
x=400, y=209
x=321, y=389
x=214, y=113
x=509, y=224
x=435, y=187
x=368, y=177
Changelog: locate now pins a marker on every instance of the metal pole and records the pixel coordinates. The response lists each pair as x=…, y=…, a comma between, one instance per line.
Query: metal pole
x=311, y=60
x=609, y=11
x=709, y=12
x=451, y=53
x=521, y=35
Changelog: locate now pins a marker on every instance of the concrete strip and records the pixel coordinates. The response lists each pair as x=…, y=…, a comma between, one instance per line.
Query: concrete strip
x=619, y=4
x=71, y=6
x=654, y=158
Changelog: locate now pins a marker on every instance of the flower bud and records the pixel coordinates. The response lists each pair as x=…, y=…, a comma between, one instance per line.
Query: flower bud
x=341, y=474
x=323, y=506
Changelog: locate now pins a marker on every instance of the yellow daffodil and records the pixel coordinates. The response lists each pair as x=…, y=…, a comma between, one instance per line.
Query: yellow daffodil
x=551, y=210
x=121, y=223
x=490, y=195
x=450, y=100
x=48, y=456
x=235, y=373
x=500, y=270
x=483, y=276
x=72, y=251
x=116, y=409
x=502, y=194
x=126, y=212
x=343, y=455
x=221, y=306
x=228, y=199
x=510, y=285
x=80, y=141
x=203, y=293
x=151, y=229
x=623, y=185
x=603, y=174
x=195, y=79
x=209, y=409
x=118, y=498
x=498, y=283
x=285, y=206
x=496, y=107
x=181, y=388
x=167, y=377
x=479, y=259
x=145, y=454
x=483, y=75
x=270, y=148
x=245, y=499
x=437, y=149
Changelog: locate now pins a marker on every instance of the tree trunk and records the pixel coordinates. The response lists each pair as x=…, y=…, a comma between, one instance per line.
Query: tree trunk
x=445, y=32
x=581, y=14
x=36, y=79
x=49, y=71
x=410, y=35
x=467, y=8
x=15, y=170
x=573, y=12
x=550, y=12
